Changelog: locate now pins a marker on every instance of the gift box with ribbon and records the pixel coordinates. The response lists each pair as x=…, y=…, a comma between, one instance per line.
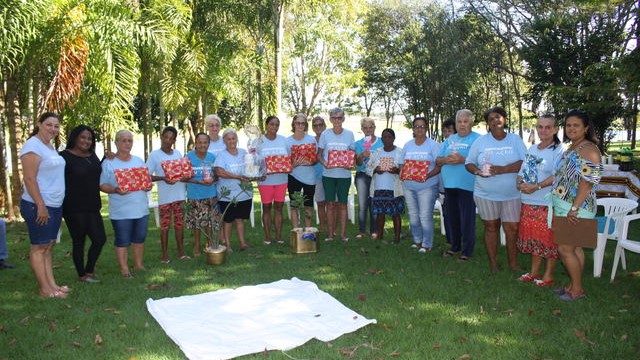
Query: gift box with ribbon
x=304, y=154
x=341, y=159
x=278, y=164
x=133, y=179
x=175, y=170
x=415, y=170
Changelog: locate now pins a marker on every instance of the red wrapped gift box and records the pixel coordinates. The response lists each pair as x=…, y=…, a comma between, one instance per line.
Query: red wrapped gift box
x=175, y=170
x=133, y=179
x=386, y=163
x=278, y=164
x=341, y=159
x=415, y=170
x=305, y=154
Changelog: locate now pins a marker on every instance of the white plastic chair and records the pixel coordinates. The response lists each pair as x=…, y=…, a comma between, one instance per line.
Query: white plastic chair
x=438, y=207
x=154, y=205
x=614, y=209
x=624, y=244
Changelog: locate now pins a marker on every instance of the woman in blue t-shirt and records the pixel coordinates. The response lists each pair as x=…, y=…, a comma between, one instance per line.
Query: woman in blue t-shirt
x=364, y=147
x=421, y=195
x=201, y=191
x=495, y=159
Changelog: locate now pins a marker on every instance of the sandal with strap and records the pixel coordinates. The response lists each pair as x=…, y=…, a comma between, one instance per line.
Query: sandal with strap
x=526, y=277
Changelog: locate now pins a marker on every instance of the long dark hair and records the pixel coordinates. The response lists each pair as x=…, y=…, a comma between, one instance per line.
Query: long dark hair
x=41, y=119
x=586, y=122
x=73, y=136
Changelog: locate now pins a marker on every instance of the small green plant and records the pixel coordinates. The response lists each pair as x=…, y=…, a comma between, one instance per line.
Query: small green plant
x=213, y=237
x=297, y=203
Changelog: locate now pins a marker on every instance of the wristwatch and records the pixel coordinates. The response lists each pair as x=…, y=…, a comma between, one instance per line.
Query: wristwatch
x=573, y=208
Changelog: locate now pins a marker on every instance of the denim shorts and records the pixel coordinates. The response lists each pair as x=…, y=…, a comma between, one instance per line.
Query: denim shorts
x=130, y=231
x=41, y=234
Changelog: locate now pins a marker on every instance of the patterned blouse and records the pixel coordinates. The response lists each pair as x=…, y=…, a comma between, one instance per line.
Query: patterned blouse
x=571, y=169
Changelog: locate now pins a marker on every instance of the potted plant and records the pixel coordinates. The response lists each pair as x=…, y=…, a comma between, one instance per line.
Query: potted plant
x=303, y=239
x=215, y=252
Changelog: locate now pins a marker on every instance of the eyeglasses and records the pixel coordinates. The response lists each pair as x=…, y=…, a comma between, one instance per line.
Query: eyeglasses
x=213, y=125
x=300, y=123
x=336, y=118
x=420, y=127
x=318, y=125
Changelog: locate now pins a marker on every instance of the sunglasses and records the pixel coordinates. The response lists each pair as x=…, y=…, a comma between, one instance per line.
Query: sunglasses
x=300, y=123
x=318, y=125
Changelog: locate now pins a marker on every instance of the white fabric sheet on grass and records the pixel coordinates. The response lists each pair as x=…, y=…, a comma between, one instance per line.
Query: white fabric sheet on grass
x=232, y=322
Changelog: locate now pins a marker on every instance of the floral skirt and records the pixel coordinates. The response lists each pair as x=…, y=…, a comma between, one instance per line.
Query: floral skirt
x=199, y=212
x=385, y=204
x=534, y=236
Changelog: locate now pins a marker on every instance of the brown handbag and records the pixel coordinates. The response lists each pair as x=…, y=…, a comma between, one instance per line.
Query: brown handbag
x=583, y=234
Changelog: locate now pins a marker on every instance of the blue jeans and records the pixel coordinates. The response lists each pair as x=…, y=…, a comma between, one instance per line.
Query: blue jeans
x=128, y=231
x=4, y=253
x=460, y=218
x=420, y=205
x=363, y=184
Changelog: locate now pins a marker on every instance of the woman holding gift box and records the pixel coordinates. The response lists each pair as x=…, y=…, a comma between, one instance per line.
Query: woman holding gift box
x=81, y=208
x=364, y=147
x=534, y=182
x=495, y=159
x=335, y=153
x=235, y=190
x=384, y=167
x=274, y=152
x=41, y=203
x=302, y=147
x=128, y=210
x=171, y=190
x=420, y=181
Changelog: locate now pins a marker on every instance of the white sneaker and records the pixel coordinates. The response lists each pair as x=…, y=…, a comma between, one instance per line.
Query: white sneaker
x=424, y=250
x=415, y=246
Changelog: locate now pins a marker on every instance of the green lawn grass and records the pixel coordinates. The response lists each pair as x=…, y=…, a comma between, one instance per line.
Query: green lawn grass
x=427, y=306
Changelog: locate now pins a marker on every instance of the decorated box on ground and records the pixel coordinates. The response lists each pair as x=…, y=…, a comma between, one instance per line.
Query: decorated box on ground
x=304, y=240
x=133, y=179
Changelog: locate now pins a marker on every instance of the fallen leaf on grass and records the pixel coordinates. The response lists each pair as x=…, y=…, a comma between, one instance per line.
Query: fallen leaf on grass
x=347, y=252
x=385, y=326
x=2, y=328
x=481, y=310
x=464, y=357
x=48, y=346
x=74, y=329
x=535, y=331
x=13, y=341
x=68, y=306
x=499, y=341
x=462, y=340
x=131, y=348
x=509, y=311
x=362, y=297
x=153, y=287
x=76, y=344
x=556, y=312
x=436, y=346
x=86, y=310
x=623, y=337
x=53, y=326
x=626, y=296
x=395, y=353
x=109, y=309
x=375, y=271
x=530, y=313
x=98, y=340
x=25, y=321
x=363, y=251
x=580, y=334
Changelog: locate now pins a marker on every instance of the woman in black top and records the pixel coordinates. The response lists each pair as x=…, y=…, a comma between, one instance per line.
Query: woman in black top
x=81, y=207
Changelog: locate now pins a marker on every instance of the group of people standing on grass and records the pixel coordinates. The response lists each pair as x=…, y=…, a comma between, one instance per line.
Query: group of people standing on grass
x=511, y=188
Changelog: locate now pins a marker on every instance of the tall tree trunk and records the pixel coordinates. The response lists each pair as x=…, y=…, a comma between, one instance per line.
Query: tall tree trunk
x=16, y=136
x=634, y=121
x=278, y=14
x=5, y=180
